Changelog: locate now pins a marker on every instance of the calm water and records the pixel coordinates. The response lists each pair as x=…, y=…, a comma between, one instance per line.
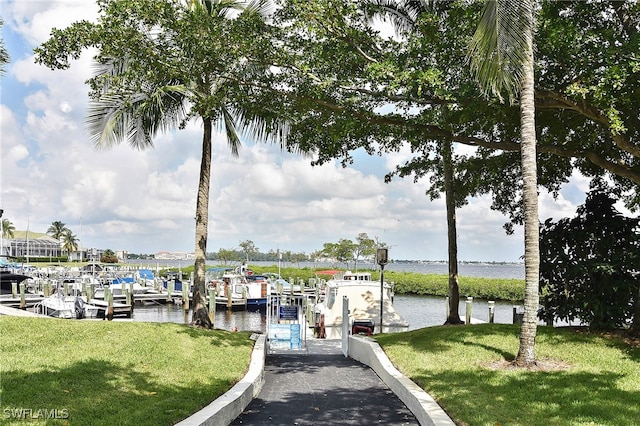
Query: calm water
x=485, y=270
x=419, y=311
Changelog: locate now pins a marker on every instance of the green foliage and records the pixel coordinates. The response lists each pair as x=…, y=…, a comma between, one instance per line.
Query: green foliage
x=109, y=256
x=437, y=285
x=589, y=265
x=423, y=284
x=57, y=229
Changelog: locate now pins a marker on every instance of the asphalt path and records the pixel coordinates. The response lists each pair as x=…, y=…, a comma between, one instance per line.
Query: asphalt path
x=320, y=386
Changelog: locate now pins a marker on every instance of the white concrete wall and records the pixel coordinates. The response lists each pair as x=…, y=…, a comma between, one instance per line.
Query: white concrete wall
x=421, y=404
x=227, y=407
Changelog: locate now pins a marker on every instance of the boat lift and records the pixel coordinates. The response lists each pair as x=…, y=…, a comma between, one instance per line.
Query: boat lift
x=286, y=323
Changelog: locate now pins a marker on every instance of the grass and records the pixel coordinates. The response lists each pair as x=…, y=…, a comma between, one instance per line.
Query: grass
x=107, y=373
x=457, y=367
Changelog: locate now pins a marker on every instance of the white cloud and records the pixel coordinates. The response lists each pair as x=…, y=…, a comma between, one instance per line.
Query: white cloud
x=144, y=201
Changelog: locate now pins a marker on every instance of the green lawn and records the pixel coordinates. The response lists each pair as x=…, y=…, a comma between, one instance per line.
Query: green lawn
x=111, y=372
x=456, y=365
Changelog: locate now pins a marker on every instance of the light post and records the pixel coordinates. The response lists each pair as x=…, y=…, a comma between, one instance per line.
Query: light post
x=382, y=257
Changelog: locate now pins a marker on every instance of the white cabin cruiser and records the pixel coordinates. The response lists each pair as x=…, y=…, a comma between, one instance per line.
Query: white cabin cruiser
x=364, y=304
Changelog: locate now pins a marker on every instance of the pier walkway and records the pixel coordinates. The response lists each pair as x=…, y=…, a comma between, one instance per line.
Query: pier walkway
x=322, y=387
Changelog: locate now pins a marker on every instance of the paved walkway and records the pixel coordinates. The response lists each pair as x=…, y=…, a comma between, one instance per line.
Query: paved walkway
x=322, y=387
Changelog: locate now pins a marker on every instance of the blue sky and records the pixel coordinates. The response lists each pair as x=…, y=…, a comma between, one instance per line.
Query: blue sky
x=144, y=202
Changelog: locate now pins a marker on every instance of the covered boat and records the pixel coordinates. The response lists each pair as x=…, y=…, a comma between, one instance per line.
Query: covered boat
x=364, y=304
x=7, y=277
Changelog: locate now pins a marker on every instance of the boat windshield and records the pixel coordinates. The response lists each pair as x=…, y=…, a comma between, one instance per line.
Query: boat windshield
x=331, y=297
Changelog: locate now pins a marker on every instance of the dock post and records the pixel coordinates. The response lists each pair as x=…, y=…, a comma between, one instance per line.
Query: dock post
x=23, y=303
x=128, y=296
x=469, y=306
x=212, y=305
x=185, y=297
x=109, y=299
x=170, y=287
x=14, y=289
x=492, y=311
x=92, y=292
x=229, y=300
x=46, y=289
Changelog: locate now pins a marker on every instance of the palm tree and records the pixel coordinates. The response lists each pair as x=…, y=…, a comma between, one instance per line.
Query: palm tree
x=502, y=58
x=7, y=228
x=69, y=242
x=57, y=229
x=188, y=78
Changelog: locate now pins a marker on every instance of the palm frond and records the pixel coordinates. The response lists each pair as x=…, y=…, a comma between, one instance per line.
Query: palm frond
x=233, y=138
x=403, y=15
x=135, y=117
x=261, y=7
x=499, y=48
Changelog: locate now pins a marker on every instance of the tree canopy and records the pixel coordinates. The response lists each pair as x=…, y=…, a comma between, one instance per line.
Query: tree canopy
x=590, y=265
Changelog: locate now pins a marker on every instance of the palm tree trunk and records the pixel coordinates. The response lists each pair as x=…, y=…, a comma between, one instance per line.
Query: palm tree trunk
x=200, y=312
x=453, y=292
x=526, y=352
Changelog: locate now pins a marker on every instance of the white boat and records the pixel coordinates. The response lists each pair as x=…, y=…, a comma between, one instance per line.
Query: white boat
x=364, y=304
x=69, y=307
x=253, y=292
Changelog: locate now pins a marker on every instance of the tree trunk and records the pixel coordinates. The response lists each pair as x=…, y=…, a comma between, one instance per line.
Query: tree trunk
x=635, y=322
x=526, y=352
x=200, y=312
x=453, y=292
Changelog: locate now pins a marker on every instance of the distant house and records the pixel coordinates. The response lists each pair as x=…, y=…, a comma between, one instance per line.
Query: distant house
x=176, y=255
x=30, y=244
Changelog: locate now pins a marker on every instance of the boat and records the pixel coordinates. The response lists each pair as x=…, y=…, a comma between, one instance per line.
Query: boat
x=240, y=291
x=120, y=285
x=363, y=294
x=7, y=277
x=60, y=305
x=177, y=282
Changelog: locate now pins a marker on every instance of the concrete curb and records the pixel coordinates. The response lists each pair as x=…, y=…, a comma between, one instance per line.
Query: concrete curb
x=227, y=407
x=421, y=404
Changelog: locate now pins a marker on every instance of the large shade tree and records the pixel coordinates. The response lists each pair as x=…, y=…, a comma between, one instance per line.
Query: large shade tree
x=161, y=63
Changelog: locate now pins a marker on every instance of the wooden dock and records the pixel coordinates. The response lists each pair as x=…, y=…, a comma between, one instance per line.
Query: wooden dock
x=122, y=308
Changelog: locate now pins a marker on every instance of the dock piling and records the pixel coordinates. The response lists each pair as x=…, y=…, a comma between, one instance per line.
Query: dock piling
x=23, y=303
x=212, y=305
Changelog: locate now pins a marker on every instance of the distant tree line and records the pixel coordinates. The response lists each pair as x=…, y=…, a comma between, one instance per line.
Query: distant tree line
x=343, y=251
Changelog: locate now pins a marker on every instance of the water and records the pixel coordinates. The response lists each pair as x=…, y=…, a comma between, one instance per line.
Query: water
x=483, y=270
x=419, y=311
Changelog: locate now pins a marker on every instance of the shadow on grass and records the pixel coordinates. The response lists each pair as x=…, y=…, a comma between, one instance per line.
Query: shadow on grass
x=99, y=392
x=591, y=393
x=218, y=337
x=551, y=398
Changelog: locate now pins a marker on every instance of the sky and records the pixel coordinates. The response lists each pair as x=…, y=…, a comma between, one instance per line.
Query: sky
x=144, y=201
